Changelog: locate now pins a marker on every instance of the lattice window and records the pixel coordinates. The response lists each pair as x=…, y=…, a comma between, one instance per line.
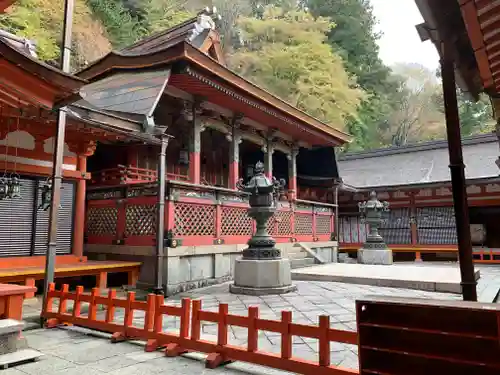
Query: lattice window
x=303, y=224
x=140, y=220
x=323, y=224
x=284, y=221
x=101, y=221
x=194, y=220
x=235, y=222
x=271, y=225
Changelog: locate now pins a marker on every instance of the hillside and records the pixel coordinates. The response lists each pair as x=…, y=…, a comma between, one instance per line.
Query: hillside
x=320, y=55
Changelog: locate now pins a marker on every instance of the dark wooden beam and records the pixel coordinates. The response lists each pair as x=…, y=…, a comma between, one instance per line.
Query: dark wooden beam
x=457, y=170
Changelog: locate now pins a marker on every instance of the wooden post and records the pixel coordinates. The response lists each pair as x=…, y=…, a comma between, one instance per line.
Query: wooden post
x=292, y=173
x=160, y=218
x=457, y=175
x=194, y=144
x=268, y=157
x=57, y=161
x=234, y=155
x=79, y=213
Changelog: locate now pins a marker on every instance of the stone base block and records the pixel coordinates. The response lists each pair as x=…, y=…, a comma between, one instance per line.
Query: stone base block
x=370, y=256
x=261, y=277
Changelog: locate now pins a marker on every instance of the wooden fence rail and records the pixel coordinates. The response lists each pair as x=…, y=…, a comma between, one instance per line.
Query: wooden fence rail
x=188, y=337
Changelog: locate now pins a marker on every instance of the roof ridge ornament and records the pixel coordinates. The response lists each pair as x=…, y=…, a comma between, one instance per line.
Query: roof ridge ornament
x=206, y=21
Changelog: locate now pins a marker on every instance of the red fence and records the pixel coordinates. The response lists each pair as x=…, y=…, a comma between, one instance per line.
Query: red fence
x=198, y=215
x=188, y=338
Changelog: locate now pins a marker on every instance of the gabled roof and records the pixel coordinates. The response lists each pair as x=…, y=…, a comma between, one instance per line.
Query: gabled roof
x=422, y=163
x=190, y=55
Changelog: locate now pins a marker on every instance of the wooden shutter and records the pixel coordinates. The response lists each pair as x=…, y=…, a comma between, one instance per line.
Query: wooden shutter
x=16, y=222
x=64, y=223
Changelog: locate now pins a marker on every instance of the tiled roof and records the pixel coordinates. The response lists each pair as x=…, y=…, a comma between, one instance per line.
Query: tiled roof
x=419, y=164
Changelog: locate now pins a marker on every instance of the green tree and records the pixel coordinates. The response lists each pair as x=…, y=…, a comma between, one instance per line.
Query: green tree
x=286, y=53
x=355, y=39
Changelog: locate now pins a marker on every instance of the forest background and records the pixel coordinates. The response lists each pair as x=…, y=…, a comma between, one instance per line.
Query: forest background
x=319, y=55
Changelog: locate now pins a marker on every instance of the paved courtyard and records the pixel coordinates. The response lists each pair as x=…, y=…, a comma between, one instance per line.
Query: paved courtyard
x=313, y=298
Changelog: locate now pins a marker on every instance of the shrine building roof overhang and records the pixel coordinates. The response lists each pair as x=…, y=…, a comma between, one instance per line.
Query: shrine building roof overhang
x=472, y=29
x=26, y=81
x=199, y=74
x=33, y=90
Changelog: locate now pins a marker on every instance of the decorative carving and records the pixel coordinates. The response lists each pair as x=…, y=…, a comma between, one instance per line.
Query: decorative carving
x=443, y=191
x=105, y=194
x=473, y=189
x=399, y=194
x=384, y=195
x=492, y=188
x=424, y=193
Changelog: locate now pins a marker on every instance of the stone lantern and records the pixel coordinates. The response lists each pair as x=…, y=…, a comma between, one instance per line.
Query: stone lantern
x=374, y=250
x=261, y=270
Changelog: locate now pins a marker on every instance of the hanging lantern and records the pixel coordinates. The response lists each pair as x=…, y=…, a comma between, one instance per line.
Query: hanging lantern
x=4, y=188
x=46, y=190
x=14, y=188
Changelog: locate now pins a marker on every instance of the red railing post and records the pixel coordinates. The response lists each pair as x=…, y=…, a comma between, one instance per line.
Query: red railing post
x=150, y=313
x=253, y=333
x=92, y=304
x=110, y=311
x=186, y=312
x=218, y=220
x=152, y=344
x=216, y=359
x=62, y=299
x=286, y=337
x=195, y=320
x=324, y=340
x=77, y=304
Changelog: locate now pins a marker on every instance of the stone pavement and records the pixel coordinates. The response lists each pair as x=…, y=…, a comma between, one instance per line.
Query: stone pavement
x=75, y=351
x=312, y=299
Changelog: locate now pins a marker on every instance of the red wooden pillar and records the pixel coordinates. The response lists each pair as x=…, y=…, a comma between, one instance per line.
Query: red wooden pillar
x=234, y=156
x=79, y=219
x=195, y=146
x=82, y=151
x=292, y=173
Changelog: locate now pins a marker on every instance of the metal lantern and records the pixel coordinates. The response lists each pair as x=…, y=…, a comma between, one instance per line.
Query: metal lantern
x=14, y=188
x=264, y=195
x=46, y=196
x=4, y=188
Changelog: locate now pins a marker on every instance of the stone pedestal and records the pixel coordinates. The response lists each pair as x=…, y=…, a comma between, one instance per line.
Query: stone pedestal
x=261, y=277
x=371, y=256
x=13, y=347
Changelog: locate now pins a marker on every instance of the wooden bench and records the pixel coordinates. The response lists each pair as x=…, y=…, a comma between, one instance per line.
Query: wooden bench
x=11, y=300
x=402, y=336
x=14, y=270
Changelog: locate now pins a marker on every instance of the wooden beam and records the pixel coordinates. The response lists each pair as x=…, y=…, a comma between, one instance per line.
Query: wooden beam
x=40, y=170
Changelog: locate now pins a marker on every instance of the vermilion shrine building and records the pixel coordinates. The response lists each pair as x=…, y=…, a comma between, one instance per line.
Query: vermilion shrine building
x=415, y=179
x=220, y=124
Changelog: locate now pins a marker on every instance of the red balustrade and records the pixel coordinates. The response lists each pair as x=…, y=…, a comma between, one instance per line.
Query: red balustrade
x=197, y=215
x=126, y=175
x=189, y=337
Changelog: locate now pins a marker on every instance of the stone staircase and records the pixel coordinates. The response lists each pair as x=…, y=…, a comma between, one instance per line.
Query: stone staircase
x=300, y=258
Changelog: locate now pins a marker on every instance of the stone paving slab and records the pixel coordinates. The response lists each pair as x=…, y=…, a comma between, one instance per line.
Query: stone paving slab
x=436, y=279
x=79, y=353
